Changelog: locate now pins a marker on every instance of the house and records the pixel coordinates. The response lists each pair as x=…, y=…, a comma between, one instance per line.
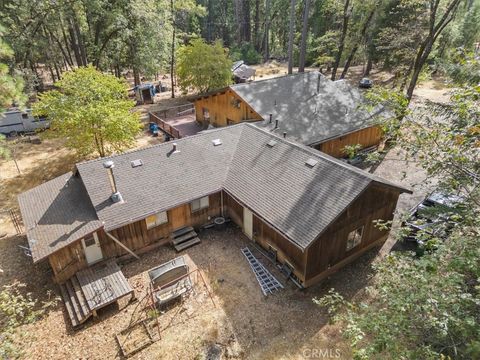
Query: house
x=306, y=107
x=311, y=211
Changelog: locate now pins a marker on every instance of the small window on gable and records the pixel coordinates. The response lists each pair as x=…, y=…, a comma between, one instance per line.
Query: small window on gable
x=156, y=219
x=199, y=204
x=354, y=238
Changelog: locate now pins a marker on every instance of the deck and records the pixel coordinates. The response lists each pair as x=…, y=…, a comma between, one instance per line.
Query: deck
x=103, y=284
x=178, y=122
x=94, y=288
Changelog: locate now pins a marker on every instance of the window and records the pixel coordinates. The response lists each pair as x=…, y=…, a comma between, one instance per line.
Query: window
x=89, y=241
x=199, y=204
x=354, y=238
x=156, y=219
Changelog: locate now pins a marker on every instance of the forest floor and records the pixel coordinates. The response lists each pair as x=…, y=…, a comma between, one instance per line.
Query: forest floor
x=244, y=324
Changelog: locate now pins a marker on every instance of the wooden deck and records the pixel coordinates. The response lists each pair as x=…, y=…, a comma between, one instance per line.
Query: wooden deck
x=93, y=288
x=103, y=284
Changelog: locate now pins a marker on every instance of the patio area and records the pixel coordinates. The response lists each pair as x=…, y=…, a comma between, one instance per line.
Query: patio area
x=178, y=122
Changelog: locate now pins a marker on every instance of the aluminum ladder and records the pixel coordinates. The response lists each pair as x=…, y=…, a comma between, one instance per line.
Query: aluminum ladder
x=267, y=281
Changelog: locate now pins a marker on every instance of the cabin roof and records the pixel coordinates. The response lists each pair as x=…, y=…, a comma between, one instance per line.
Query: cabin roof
x=57, y=213
x=309, y=107
x=298, y=190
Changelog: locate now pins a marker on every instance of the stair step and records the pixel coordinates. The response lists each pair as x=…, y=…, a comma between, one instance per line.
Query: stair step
x=187, y=244
x=183, y=238
x=182, y=231
x=80, y=297
x=66, y=300
x=74, y=302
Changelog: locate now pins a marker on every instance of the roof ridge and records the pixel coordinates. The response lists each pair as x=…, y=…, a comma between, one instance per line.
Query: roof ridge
x=234, y=86
x=331, y=159
x=161, y=144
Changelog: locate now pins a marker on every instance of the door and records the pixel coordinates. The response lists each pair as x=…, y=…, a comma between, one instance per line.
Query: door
x=248, y=222
x=93, y=251
x=178, y=217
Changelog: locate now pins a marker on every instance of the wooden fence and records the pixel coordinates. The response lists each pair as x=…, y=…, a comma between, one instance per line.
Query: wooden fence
x=160, y=117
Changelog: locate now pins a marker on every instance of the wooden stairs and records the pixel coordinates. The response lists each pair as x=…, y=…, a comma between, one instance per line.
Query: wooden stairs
x=184, y=238
x=75, y=301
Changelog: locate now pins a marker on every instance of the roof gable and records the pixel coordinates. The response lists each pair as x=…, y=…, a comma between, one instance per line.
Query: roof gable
x=309, y=107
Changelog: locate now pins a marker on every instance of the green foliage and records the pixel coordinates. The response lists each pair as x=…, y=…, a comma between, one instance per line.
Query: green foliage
x=351, y=150
x=463, y=68
x=92, y=111
x=5, y=152
x=203, y=67
x=247, y=53
x=17, y=309
x=427, y=307
x=11, y=86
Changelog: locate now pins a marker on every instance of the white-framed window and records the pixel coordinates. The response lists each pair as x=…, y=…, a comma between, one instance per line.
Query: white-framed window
x=354, y=238
x=199, y=204
x=156, y=219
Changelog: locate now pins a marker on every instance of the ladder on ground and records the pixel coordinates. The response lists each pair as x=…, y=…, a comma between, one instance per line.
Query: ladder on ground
x=267, y=281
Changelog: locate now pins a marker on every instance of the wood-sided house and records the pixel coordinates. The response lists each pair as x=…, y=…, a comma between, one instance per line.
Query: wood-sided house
x=313, y=211
x=307, y=107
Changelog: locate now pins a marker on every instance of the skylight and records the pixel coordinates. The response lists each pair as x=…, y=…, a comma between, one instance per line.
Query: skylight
x=216, y=142
x=271, y=143
x=136, y=163
x=311, y=162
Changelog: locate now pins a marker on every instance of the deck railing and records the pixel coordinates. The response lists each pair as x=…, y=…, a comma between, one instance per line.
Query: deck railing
x=160, y=117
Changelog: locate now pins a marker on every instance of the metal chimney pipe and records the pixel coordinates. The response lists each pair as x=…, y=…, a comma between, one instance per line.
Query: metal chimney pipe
x=270, y=118
x=174, y=147
x=276, y=124
x=284, y=135
x=116, y=196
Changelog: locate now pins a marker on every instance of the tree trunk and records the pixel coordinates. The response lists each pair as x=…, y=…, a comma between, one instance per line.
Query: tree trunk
x=369, y=67
x=303, y=45
x=267, y=31
x=257, y=26
x=341, y=45
x=172, y=60
x=74, y=45
x=357, y=43
x=290, y=36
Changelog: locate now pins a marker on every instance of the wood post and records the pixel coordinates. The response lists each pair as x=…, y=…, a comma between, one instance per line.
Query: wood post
x=121, y=244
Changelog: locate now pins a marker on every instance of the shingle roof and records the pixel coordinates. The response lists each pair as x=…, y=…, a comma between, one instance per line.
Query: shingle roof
x=309, y=107
x=274, y=182
x=56, y=214
x=164, y=180
x=296, y=198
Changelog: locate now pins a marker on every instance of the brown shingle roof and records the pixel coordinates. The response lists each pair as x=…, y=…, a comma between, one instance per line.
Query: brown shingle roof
x=275, y=181
x=56, y=214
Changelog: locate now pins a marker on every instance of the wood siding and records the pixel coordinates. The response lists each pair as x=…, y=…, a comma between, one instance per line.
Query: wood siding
x=365, y=137
x=223, y=106
x=265, y=236
x=330, y=249
x=67, y=261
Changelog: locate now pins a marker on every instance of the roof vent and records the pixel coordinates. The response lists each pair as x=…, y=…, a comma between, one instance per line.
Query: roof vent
x=216, y=142
x=116, y=196
x=271, y=143
x=136, y=163
x=175, y=148
x=311, y=162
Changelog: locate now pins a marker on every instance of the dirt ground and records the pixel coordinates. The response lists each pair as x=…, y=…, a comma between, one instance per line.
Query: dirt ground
x=244, y=324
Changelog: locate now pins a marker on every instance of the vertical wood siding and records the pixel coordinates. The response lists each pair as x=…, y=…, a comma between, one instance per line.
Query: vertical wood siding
x=67, y=261
x=222, y=106
x=377, y=202
x=365, y=137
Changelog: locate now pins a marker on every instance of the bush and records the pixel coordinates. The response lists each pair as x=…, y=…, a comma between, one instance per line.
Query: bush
x=247, y=53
